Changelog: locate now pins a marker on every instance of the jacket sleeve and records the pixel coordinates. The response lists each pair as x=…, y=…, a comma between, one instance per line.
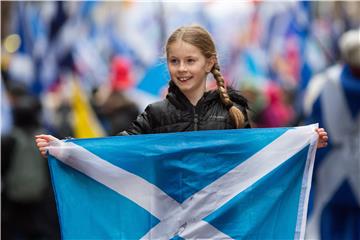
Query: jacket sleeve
x=142, y=124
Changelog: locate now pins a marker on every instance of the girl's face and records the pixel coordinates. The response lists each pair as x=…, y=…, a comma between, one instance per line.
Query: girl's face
x=188, y=68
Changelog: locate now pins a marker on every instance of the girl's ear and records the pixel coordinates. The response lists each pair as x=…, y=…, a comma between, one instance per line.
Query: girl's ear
x=210, y=63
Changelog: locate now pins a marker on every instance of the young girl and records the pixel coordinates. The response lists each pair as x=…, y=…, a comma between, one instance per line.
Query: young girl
x=191, y=56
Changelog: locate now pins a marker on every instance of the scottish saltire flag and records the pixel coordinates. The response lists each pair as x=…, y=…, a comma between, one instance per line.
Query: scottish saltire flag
x=218, y=184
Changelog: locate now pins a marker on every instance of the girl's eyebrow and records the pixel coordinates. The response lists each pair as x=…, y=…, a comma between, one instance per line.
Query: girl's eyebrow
x=189, y=56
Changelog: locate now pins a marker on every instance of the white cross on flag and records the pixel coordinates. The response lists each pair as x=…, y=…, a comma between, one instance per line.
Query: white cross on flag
x=219, y=184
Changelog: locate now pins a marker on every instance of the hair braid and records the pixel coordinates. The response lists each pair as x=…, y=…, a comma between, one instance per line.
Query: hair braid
x=235, y=113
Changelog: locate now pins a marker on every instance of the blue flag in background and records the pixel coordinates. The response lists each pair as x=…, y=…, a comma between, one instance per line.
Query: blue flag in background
x=155, y=79
x=245, y=183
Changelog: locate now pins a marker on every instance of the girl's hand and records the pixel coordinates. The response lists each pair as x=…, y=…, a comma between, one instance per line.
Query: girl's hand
x=323, y=138
x=42, y=142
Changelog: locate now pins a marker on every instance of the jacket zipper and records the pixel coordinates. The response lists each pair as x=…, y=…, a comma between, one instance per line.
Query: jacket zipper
x=196, y=120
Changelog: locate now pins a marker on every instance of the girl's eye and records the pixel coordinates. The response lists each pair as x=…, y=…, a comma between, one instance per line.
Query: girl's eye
x=173, y=61
x=191, y=61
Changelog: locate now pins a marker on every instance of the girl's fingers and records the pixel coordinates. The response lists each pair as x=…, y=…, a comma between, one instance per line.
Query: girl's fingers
x=46, y=137
x=42, y=144
x=43, y=153
x=322, y=144
x=38, y=140
x=42, y=149
x=323, y=137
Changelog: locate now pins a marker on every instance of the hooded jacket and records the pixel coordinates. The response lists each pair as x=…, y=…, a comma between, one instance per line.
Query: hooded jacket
x=177, y=114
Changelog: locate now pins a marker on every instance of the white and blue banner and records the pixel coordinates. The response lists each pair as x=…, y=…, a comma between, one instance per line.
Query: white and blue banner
x=219, y=184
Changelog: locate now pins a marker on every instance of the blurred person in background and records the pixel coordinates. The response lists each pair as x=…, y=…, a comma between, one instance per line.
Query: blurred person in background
x=277, y=111
x=28, y=205
x=333, y=100
x=116, y=111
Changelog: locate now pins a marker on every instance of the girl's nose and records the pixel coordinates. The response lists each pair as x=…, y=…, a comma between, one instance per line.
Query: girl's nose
x=182, y=67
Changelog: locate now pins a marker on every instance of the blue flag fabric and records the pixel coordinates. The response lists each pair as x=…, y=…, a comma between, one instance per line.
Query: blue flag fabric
x=232, y=184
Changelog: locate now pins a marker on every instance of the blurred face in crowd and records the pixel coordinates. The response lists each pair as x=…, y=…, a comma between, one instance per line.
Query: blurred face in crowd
x=188, y=67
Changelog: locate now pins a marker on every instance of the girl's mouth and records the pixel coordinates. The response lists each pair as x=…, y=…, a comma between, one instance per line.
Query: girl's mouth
x=184, y=79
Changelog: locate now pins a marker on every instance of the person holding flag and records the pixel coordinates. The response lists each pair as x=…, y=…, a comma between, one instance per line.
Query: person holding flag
x=191, y=56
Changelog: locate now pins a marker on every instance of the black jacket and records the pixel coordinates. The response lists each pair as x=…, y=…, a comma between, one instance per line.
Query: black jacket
x=177, y=114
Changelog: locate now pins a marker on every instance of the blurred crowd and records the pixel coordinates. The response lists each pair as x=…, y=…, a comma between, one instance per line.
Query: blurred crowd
x=87, y=69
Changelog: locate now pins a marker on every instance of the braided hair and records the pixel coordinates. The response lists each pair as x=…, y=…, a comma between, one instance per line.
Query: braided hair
x=200, y=38
x=235, y=113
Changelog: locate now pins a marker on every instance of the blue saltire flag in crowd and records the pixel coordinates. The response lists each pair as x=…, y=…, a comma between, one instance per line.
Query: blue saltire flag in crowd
x=333, y=100
x=232, y=184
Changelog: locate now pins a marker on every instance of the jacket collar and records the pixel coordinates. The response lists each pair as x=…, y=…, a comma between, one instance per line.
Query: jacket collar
x=178, y=99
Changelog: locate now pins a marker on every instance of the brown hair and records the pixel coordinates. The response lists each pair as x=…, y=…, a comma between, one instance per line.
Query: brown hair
x=200, y=38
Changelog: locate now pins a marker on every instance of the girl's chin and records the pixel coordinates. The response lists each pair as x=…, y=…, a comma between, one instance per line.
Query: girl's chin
x=183, y=84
